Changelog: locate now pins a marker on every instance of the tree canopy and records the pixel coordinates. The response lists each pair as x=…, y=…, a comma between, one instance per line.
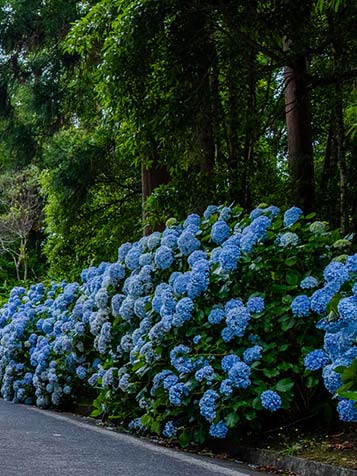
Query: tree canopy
x=135, y=111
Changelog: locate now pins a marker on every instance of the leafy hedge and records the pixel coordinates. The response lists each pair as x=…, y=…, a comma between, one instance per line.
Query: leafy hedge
x=200, y=330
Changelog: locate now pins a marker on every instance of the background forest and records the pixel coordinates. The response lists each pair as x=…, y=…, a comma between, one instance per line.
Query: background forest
x=116, y=115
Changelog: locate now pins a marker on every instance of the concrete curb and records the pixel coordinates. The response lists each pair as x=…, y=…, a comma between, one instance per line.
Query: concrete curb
x=301, y=466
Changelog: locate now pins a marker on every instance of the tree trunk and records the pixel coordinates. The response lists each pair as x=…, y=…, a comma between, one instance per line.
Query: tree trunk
x=341, y=158
x=329, y=180
x=337, y=49
x=298, y=123
x=152, y=177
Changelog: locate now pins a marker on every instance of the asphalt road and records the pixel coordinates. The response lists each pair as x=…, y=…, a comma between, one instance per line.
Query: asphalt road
x=34, y=442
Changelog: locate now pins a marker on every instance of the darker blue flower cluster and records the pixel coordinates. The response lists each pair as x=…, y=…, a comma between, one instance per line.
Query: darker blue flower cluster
x=271, y=400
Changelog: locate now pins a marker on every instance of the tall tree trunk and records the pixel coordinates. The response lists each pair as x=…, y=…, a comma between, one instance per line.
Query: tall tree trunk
x=152, y=176
x=298, y=123
x=329, y=181
x=250, y=135
x=337, y=49
x=342, y=166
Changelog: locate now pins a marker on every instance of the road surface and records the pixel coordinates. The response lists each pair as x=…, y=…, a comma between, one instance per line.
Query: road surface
x=35, y=442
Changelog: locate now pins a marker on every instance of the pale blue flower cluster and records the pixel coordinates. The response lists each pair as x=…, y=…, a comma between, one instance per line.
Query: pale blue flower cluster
x=309, y=282
x=288, y=239
x=291, y=216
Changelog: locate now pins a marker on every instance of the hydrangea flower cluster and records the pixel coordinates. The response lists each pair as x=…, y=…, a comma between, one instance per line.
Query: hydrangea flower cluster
x=340, y=328
x=177, y=321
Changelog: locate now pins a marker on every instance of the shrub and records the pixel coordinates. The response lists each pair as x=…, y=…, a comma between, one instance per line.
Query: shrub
x=199, y=330
x=337, y=302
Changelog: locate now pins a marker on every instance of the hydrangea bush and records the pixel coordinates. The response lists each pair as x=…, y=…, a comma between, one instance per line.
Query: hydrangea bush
x=199, y=330
x=336, y=302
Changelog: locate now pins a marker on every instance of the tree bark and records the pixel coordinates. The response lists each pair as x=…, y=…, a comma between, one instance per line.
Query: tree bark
x=298, y=123
x=152, y=176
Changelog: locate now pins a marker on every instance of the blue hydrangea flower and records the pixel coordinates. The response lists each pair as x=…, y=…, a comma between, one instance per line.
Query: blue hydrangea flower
x=197, y=339
x=288, y=239
x=347, y=309
x=226, y=387
x=309, y=283
x=225, y=214
x=256, y=213
x=316, y=359
x=228, y=258
x=214, y=257
x=177, y=393
x=188, y=243
x=247, y=241
x=272, y=210
x=336, y=271
x=239, y=375
x=216, y=316
x=255, y=304
x=218, y=430
x=271, y=400
x=198, y=279
x=81, y=372
x=252, y=354
x=181, y=363
x=153, y=240
x=233, y=240
x=332, y=380
x=136, y=425
x=207, y=405
x=347, y=411
x=180, y=283
x=351, y=263
x=145, y=259
x=132, y=258
x=291, y=216
x=122, y=252
x=301, y=306
x=169, y=238
x=192, y=219
x=220, y=232
x=170, y=381
x=184, y=308
x=321, y=298
x=210, y=210
x=228, y=334
x=159, y=378
x=238, y=319
x=205, y=373
x=233, y=304
x=228, y=361
x=163, y=257
x=259, y=226
x=195, y=257
x=126, y=310
x=170, y=430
